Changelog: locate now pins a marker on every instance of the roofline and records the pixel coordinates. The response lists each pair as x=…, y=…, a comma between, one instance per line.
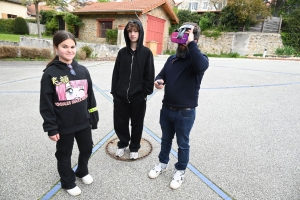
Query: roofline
x=173, y=18
x=108, y=12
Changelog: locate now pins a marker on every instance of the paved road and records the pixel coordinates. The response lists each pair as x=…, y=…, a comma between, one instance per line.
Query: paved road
x=244, y=144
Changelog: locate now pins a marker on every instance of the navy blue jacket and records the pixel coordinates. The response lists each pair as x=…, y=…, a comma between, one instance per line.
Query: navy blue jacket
x=182, y=78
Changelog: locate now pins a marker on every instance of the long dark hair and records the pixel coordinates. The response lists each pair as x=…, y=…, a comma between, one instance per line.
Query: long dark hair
x=58, y=38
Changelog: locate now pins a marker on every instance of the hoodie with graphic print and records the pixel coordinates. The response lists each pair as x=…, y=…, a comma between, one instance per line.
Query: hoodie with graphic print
x=133, y=74
x=67, y=102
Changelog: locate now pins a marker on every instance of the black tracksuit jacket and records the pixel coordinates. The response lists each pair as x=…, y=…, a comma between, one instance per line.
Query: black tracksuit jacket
x=133, y=74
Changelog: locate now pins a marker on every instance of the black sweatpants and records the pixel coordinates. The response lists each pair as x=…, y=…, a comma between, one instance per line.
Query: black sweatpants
x=64, y=147
x=135, y=112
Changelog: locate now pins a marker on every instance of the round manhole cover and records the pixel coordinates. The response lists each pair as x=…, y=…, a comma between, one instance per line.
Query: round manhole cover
x=112, y=147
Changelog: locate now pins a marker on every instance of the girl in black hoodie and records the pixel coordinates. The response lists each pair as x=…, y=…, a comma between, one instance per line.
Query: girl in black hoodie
x=68, y=107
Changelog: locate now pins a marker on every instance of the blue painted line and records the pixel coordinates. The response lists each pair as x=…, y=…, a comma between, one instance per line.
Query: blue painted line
x=20, y=80
x=259, y=70
x=18, y=92
x=57, y=187
x=210, y=184
x=103, y=93
x=251, y=86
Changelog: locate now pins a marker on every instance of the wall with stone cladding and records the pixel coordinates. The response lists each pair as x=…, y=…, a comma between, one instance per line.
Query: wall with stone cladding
x=259, y=42
x=99, y=50
x=88, y=32
x=226, y=43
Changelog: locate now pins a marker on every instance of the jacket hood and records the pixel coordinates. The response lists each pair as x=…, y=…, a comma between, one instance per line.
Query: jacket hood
x=141, y=35
x=60, y=64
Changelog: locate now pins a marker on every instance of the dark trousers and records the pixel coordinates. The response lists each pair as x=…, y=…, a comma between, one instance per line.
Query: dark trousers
x=135, y=112
x=179, y=123
x=64, y=147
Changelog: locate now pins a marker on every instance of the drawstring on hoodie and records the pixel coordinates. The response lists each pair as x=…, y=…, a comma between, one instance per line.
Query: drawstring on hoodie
x=132, y=56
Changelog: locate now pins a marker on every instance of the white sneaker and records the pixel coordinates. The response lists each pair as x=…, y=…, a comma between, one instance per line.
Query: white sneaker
x=120, y=152
x=177, y=179
x=74, y=191
x=134, y=155
x=157, y=170
x=88, y=179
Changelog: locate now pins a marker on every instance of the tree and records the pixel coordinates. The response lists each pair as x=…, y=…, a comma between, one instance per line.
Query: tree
x=283, y=6
x=62, y=3
x=291, y=29
x=249, y=11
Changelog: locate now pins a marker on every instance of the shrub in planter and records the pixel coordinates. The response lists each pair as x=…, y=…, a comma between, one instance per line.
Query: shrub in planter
x=20, y=26
x=45, y=53
x=27, y=52
x=8, y=51
x=88, y=50
x=81, y=55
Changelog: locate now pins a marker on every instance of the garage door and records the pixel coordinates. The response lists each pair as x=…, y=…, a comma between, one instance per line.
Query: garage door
x=155, y=31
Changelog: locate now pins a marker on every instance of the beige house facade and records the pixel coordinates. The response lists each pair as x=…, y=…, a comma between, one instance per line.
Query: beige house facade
x=12, y=9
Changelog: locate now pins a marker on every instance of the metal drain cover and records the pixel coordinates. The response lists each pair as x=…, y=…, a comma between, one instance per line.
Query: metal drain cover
x=112, y=147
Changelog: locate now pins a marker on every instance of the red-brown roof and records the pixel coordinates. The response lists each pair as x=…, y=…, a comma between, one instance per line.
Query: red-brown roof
x=128, y=7
x=31, y=9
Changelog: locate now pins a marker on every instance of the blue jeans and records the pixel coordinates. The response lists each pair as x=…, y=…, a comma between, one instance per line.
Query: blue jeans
x=179, y=122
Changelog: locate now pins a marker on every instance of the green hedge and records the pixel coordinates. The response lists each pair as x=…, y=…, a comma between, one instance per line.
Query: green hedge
x=291, y=30
x=7, y=26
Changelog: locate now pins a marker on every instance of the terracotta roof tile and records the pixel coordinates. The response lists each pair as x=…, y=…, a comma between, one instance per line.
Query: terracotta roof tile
x=136, y=5
x=128, y=7
x=31, y=9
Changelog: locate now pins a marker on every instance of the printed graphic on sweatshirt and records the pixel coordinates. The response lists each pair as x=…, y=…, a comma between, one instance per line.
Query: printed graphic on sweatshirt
x=70, y=92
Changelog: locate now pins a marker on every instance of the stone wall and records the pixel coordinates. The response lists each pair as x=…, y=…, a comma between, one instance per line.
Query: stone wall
x=240, y=42
x=99, y=50
x=243, y=43
x=8, y=43
x=32, y=27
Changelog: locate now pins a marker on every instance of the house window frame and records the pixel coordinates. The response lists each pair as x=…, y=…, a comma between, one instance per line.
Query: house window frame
x=99, y=21
x=193, y=4
x=205, y=5
x=11, y=16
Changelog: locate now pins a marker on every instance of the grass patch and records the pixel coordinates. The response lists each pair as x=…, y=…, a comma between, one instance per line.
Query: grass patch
x=225, y=55
x=16, y=38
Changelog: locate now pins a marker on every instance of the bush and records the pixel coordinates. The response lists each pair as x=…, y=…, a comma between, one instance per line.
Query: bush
x=213, y=33
x=279, y=51
x=207, y=21
x=45, y=53
x=185, y=16
x=229, y=19
x=31, y=53
x=287, y=50
x=20, y=26
x=47, y=15
x=81, y=55
x=8, y=51
x=112, y=36
x=88, y=50
x=291, y=30
x=72, y=21
x=51, y=26
x=7, y=26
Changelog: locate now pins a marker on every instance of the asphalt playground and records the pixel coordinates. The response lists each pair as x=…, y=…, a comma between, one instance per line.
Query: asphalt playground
x=245, y=143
